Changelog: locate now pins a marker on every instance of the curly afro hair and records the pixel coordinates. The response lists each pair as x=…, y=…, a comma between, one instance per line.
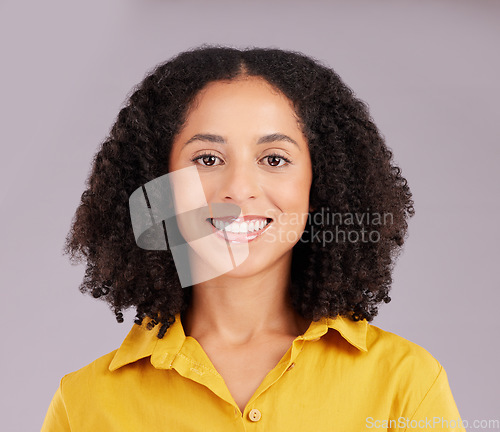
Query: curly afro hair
x=353, y=173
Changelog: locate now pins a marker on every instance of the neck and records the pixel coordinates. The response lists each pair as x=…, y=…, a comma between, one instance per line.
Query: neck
x=237, y=311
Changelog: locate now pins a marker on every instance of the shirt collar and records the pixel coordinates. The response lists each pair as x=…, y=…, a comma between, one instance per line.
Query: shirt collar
x=141, y=343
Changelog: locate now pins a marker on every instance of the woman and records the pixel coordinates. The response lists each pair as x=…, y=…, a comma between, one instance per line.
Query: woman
x=290, y=214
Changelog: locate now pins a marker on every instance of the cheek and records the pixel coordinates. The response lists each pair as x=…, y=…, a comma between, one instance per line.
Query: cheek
x=295, y=193
x=210, y=185
x=293, y=203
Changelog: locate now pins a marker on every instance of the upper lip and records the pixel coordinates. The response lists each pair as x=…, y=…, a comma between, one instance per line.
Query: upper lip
x=231, y=219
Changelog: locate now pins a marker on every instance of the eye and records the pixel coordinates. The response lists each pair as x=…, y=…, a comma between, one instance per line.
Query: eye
x=207, y=160
x=275, y=160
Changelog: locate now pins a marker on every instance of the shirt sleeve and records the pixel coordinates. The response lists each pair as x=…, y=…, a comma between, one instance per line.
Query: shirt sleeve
x=56, y=419
x=437, y=411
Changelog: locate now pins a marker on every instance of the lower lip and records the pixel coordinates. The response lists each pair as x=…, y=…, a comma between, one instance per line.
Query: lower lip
x=240, y=237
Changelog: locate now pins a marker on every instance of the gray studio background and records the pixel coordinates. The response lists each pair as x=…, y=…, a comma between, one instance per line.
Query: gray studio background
x=428, y=70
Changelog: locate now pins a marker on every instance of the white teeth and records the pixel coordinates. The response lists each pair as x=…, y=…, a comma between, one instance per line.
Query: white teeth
x=240, y=228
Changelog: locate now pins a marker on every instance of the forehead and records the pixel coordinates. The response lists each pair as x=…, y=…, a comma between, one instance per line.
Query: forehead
x=248, y=100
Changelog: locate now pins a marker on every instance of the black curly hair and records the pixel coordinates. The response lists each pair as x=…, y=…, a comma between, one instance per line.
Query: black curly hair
x=353, y=173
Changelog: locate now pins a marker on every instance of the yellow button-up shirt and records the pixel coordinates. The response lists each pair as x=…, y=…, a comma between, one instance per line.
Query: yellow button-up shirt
x=340, y=375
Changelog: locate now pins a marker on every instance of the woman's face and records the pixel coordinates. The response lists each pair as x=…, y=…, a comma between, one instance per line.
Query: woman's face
x=246, y=143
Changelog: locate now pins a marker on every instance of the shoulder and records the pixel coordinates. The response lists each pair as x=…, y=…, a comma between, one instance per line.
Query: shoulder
x=382, y=341
x=93, y=371
x=402, y=358
x=419, y=382
x=96, y=384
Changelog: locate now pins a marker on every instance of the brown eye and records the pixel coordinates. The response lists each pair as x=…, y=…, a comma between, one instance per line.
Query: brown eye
x=275, y=160
x=207, y=160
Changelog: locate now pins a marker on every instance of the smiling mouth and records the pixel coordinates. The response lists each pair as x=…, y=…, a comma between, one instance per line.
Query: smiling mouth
x=247, y=225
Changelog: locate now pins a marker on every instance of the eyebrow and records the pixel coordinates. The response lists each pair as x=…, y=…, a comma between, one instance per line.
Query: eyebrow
x=266, y=139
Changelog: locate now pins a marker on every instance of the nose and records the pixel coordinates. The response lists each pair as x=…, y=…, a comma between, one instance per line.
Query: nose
x=239, y=184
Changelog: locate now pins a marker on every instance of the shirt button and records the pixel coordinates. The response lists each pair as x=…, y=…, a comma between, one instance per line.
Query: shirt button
x=290, y=367
x=254, y=415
